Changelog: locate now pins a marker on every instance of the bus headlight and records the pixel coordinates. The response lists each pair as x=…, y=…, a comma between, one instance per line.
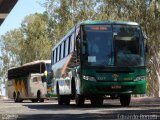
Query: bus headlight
x=90, y=78
x=140, y=78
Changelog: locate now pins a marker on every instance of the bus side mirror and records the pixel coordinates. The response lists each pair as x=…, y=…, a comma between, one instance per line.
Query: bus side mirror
x=45, y=74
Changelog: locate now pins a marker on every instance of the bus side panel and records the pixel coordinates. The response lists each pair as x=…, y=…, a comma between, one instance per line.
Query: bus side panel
x=10, y=88
x=64, y=86
x=35, y=85
x=62, y=75
x=18, y=85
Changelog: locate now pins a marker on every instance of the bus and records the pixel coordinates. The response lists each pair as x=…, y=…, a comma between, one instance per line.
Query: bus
x=97, y=60
x=29, y=81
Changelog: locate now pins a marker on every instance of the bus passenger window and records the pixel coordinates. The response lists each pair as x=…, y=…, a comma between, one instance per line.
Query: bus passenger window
x=72, y=42
x=69, y=45
x=52, y=59
x=64, y=49
x=78, y=44
x=60, y=52
x=55, y=56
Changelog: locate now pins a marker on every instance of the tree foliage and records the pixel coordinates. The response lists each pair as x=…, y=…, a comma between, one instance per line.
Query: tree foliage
x=10, y=50
x=37, y=45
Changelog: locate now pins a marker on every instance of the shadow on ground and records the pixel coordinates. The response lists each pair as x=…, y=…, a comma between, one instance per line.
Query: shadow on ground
x=138, y=111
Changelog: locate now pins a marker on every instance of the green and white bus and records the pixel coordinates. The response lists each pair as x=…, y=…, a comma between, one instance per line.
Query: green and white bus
x=98, y=59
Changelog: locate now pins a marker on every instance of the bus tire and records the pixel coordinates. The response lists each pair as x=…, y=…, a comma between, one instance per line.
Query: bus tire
x=14, y=97
x=59, y=97
x=41, y=100
x=79, y=99
x=34, y=100
x=73, y=88
x=67, y=100
x=39, y=97
x=18, y=98
x=125, y=100
x=96, y=101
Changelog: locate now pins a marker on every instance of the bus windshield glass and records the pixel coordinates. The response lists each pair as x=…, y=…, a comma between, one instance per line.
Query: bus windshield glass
x=128, y=45
x=112, y=45
x=48, y=67
x=97, y=45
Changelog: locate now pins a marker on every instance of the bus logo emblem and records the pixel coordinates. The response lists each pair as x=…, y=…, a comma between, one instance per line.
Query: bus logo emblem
x=115, y=76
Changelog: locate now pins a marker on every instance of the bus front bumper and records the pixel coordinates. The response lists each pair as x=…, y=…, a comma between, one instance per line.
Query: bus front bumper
x=109, y=88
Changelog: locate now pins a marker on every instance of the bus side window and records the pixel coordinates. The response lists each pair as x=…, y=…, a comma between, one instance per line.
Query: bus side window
x=69, y=44
x=64, y=49
x=58, y=50
x=78, y=44
x=72, y=43
x=55, y=56
x=52, y=59
x=67, y=47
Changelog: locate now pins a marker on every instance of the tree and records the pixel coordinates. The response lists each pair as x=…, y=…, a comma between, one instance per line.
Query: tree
x=11, y=45
x=37, y=45
x=64, y=14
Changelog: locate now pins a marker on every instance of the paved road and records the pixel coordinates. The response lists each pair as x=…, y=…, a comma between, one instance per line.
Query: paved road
x=140, y=109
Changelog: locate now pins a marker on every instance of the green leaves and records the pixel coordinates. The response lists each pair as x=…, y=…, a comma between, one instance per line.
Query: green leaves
x=37, y=45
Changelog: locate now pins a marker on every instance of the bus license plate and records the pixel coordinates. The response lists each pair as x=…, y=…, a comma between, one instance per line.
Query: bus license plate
x=116, y=87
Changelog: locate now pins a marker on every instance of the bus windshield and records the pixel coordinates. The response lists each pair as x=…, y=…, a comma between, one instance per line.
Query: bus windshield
x=112, y=45
x=48, y=67
x=97, y=45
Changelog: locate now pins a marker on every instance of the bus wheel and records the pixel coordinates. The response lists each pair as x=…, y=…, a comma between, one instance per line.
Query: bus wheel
x=34, y=100
x=14, y=97
x=59, y=97
x=79, y=99
x=96, y=101
x=73, y=88
x=18, y=99
x=67, y=100
x=39, y=97
x=41, y=100
x=125, y=100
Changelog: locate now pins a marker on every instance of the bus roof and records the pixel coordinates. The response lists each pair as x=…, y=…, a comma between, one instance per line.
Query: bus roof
x=92, y=22
x=37, y=61
x=24, y=70
x=108, y=22
x=32, y=63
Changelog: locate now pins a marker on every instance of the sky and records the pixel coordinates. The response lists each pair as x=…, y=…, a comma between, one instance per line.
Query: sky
x=21, y=9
